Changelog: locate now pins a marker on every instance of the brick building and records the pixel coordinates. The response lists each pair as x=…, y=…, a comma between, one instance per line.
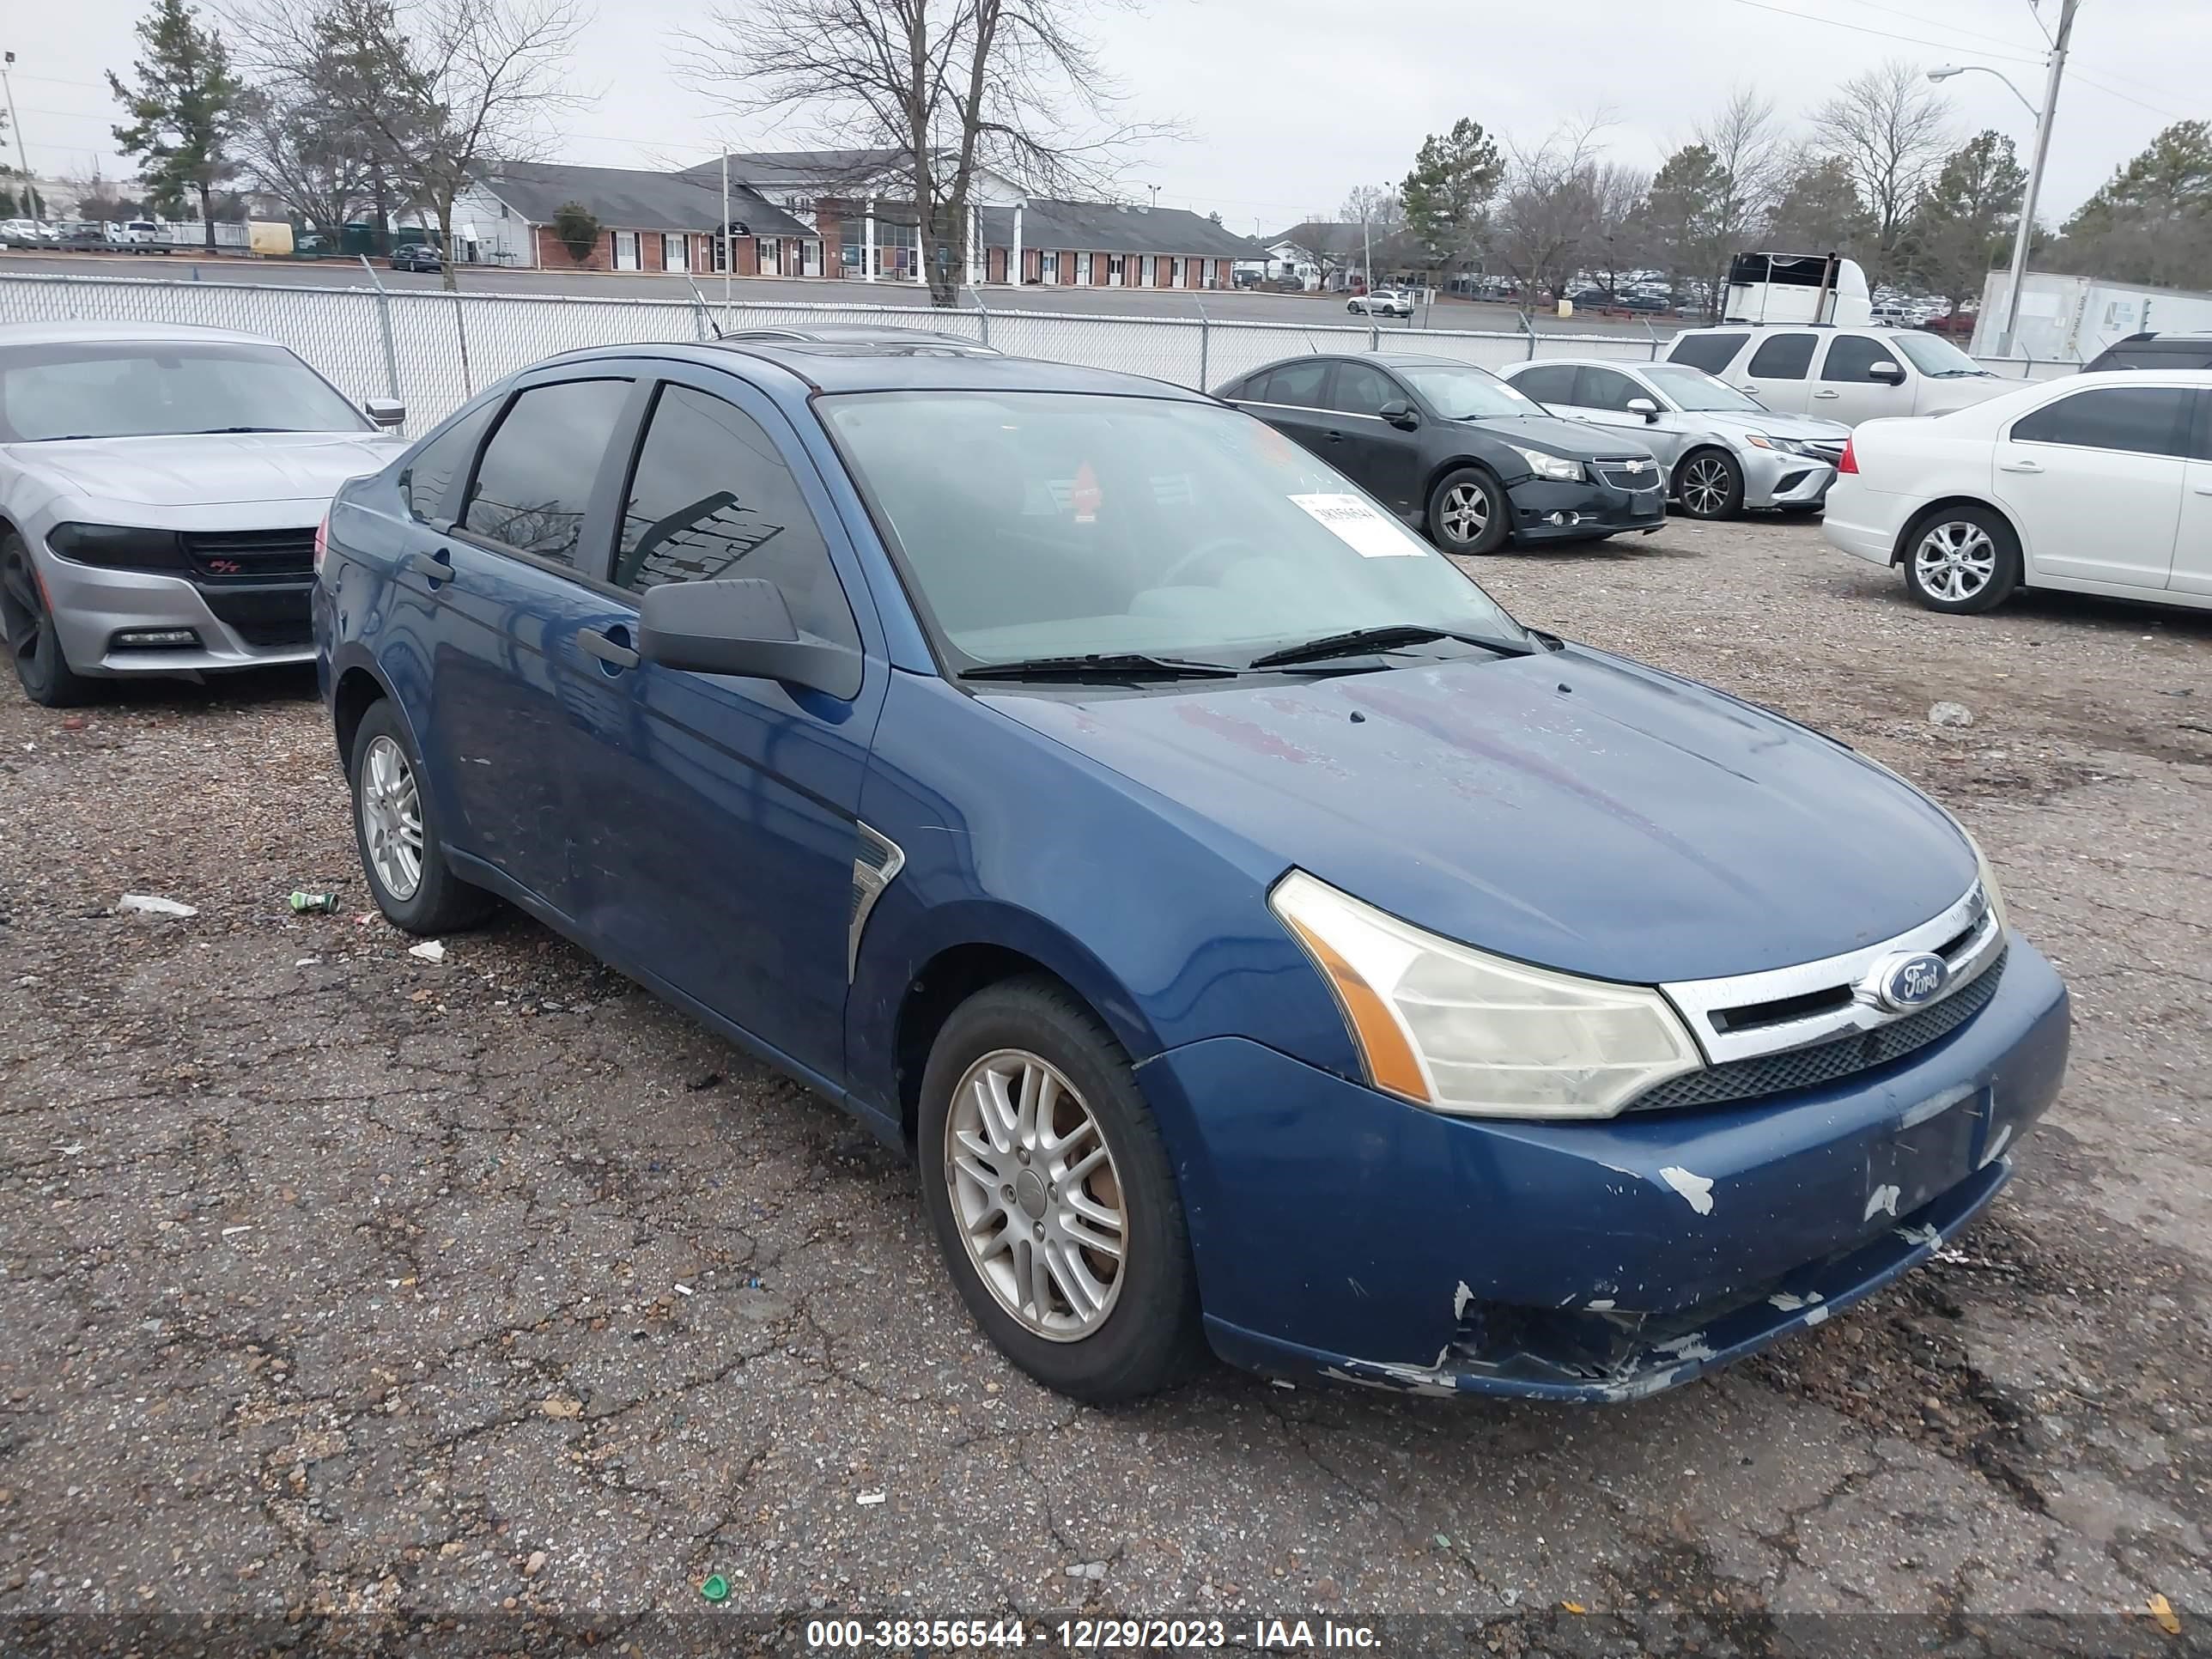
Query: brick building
x=647, y=222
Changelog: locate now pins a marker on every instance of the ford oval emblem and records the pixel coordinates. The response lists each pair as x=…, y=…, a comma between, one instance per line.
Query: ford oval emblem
x=1912, y=982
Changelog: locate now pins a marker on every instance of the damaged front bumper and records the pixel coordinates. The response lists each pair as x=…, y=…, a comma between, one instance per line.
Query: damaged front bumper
x=1341, y=1233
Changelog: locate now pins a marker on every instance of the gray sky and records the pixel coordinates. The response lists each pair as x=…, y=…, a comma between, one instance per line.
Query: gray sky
x=1289, y=103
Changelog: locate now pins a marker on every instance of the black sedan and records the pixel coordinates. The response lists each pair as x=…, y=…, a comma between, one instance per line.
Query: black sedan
x=1457, y=452
x=416, y=256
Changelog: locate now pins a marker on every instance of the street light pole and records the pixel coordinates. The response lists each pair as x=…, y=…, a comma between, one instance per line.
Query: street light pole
x=2025, y=232
x=30, y=185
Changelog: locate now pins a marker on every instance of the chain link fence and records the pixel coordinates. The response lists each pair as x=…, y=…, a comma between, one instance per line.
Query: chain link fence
x=433, y=350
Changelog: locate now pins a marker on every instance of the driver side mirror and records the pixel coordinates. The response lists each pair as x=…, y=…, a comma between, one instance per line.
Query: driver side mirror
x=1400, y=413
x=1644, y=407
x=385, y=412
x=1886, y=371
x=742, y=627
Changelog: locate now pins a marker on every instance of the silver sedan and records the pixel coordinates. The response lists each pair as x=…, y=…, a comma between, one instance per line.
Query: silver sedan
x=1725, y=451
x=160, y=490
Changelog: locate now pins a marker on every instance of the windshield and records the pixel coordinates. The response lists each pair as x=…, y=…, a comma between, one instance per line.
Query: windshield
x=145, y=388
x=1466, y=393
x=1695, y=390
x=1038, y=525
x=1931, y=355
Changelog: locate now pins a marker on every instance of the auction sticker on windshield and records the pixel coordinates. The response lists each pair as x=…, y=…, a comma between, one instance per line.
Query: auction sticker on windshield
x=1367, y=532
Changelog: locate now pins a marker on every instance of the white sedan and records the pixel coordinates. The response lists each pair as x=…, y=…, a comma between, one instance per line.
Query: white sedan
x=2099, y=483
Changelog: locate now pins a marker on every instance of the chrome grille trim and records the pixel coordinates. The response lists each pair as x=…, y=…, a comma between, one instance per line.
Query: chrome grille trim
x=1705, y=1003
x=878, y=860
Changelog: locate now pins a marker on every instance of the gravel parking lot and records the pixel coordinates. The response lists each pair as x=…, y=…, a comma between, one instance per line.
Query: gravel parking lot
x=331, y=1279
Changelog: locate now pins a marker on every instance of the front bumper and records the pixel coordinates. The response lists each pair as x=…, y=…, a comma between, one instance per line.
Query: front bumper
x=1772, y=479
x=1340, y=1232
x=244, y=624
x=1543, y=510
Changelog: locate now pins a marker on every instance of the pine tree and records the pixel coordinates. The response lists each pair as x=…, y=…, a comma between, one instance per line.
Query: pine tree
x=185, y=110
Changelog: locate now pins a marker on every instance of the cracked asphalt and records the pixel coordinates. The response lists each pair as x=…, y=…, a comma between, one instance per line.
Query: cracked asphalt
x=335, y=1281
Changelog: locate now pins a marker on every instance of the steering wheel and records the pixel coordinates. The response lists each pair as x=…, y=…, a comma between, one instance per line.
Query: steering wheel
x=1213, y=548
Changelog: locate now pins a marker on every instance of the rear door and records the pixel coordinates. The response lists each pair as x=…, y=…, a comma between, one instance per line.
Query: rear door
x=717, y=822
x=509, y=687
x=1552, y=385
x=1383, y=459
x=1847, y=390
x=2192, y=546
x=1293, y=398
x=1777, y=373
x=2094, y=482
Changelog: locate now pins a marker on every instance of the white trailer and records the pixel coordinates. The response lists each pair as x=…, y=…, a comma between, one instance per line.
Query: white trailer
x=2069, y=320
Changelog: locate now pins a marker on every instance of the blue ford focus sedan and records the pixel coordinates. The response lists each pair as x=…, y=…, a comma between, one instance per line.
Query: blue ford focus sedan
x=1259, y=940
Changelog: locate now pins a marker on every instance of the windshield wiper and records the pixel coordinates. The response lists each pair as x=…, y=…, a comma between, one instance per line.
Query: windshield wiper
x=1361, y=639
x=218, y=431
x=1104, y=665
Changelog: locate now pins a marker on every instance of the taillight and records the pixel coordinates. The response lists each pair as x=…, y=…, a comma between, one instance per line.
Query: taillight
x=323, y=539
x=1848, y=463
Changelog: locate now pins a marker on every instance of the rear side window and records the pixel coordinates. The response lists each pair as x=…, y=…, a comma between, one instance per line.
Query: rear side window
x=1711, y=352
x=2147, y=419
x=1850, y=357
x=535, y=478
x=1550, y=385
x=711, y=499
x=1298, y=384
x=431, y=469
x=1783, y=358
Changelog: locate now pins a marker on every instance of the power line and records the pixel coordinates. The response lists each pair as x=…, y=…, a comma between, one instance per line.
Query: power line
x=1948, y=28
x=1883, y=34
x=2129, y=98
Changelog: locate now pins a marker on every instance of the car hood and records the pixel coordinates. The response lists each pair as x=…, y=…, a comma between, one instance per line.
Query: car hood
x=1570, y=809
x=1944, y=396
x=1569, y=438
x=209, y=470
x=1776, y=425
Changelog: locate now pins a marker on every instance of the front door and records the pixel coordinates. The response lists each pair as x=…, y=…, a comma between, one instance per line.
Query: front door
x=510, y=688
x=2094, y=482
x=626, y=256
x=718, y=817
x=2192, y=548
x=1603, y=396
x=1847, y=390
x=1383, y=459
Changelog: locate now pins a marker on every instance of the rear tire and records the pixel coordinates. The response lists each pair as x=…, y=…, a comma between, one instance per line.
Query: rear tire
x=1024, y=1086
x=34, y=642
x=392, y=814
x=1468, y=512
x=1962, y=560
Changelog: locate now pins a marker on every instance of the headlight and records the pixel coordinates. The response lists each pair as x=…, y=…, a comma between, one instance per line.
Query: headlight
x=1458, y=1031
x=1991, y=890
x=1786, y=445
x=1556, y=467
x=118, y=547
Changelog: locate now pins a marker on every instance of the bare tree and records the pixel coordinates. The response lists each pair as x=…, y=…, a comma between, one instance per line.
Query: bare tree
x=290, y=145
x=439, y=89
x=1892, y=133
x=949, y=87
x=1376, y=217
x=1548, y=221
x=1754, y=154
x=1618, y=193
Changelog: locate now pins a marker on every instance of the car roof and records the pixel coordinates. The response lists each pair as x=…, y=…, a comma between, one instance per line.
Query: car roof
x=2197, y=377
x=57, y=333
x=855, y=334
x=829, y=367
x=1583, y=363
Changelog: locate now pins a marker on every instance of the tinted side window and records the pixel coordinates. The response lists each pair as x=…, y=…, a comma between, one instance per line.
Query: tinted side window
x=536, y=476
x=1548, y=385
x=432, y=469
x=1297, y=383
x=1606, y=388
x=1850, y=356
x=711, y=498
x=1361, y=389
x=1711, y=352
x=1783, y=357
x=2150, y=420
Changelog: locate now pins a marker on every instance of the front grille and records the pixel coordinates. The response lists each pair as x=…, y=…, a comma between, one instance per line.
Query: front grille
x=220, y=555
x=1825, y=1062
x=1617, y=475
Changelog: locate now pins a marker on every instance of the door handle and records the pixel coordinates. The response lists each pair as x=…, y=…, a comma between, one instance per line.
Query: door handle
x=2203, y=490
x=608, y=651
x=2020, y=466
x=1336, y=437
x=434, y=567
x=1827, y=394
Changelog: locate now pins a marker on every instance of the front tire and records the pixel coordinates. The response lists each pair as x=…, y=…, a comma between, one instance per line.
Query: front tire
x=396, y=832
x=34, y=642
x=1710, y=484
x=1962, y=560
x=1467, y=512
x=1053, y=1197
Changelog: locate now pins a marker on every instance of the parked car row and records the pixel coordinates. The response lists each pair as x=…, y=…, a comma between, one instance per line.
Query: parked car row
x=1260, y=940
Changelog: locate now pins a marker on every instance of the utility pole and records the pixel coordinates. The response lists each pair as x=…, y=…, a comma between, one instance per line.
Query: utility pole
x=729, y=247
x=2026, y=231
x=30, y=185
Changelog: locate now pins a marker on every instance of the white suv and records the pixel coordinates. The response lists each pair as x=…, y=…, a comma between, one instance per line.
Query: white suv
x=1847, y=374
x=1382, y=302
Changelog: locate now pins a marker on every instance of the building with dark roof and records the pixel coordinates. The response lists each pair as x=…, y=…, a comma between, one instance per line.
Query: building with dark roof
x=647, y=222
x=1108, y=245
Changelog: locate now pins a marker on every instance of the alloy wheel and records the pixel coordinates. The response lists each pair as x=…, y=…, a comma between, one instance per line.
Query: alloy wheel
x=1955, y=561
x=22, y=615
x=1036, y=1194
x=392, y=818
x=1705, y=485
x=1466, y=513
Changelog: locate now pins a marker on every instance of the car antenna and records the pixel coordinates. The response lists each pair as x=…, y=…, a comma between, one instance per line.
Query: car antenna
x=704, y=309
